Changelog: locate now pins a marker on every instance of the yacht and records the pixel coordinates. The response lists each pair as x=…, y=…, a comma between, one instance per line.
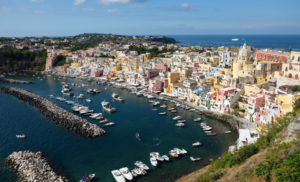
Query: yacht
x=118, y=176
x=87, y=178
x=153, y=161
x=107, y=107
x=141, y=165
x=195, y=159
x=126, y=173
x=196, y=144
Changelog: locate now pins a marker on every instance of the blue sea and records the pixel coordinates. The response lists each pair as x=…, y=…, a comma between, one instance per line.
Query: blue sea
x=75, y=156
x=257, y=41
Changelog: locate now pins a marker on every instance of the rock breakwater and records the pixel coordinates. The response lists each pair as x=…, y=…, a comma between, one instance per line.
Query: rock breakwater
x=33, y=166
x=55, y=113
x=5, y=80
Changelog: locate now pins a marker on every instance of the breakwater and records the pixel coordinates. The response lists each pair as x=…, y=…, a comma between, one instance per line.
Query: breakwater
x=55, y=113
x=33, y=166
x=5, y=80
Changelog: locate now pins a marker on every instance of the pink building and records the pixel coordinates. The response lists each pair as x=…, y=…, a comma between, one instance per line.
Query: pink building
x=156, y=86
x=223, y=94
x=257, y=101
x=161, y=67
x=151, y=73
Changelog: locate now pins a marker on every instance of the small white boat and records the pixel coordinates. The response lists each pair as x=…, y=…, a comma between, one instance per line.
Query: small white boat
x=95, y=115
x=173, y=111
x=227, y=132
x=235, y=39
x=81, y=96
x=141, y=165
x=181, y=121
x=104, y=121
x=126, y=173
x=87, y=178
x=163, y=106
x=156, y=103
x=195, y=159
x=196, y=144
x=51, y=96
x=107, y=107
x=197, y=119
x=162, y=113
x=153, y=161
x=118, y=176
x=109, y=124
x=21, y=136
x=177, y=118
x=166, y=158
x=180, y=124
x=88, y=100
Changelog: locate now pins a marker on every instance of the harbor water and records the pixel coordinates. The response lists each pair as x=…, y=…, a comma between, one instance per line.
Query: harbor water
x=74, y=156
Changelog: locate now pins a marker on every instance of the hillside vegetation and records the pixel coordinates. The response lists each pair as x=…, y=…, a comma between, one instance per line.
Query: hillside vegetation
x=274, y=157
x=12, y=60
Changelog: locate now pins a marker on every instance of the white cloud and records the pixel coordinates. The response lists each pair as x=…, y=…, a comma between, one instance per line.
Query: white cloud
x=112, y=10
x=88, y=9
x=185, y=5
x=78, y=2
x=119, y=1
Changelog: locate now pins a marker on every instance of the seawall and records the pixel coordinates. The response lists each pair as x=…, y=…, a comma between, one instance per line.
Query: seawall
x=5, y=80
x=58, y=115
x=33, y=166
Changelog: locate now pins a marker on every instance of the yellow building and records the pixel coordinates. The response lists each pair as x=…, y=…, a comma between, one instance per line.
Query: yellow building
x=243, y=66
x=286, y=102
x=173, y=80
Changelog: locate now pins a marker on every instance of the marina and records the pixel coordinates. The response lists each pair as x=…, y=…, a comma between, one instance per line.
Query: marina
x=103, y=154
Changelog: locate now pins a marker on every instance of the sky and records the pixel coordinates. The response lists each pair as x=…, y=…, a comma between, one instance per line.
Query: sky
x=148, y=17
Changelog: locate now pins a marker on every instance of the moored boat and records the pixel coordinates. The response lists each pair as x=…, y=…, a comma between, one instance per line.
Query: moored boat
x=87, y=178
x=118, y=176
x=126, y=173
x=195, y=159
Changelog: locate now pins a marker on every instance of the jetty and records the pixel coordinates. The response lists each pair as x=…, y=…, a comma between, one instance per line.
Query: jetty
x=6, y=80
x=33, y=166
x=53, y=112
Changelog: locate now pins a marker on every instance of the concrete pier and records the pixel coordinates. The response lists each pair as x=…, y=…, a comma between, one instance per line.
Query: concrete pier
x=33, y=166
x=5, y=80
x=55, y=113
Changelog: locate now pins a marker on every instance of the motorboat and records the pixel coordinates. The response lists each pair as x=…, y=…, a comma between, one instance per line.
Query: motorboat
x=211, y=134
x=150, y=97
x=155, y=109
x=88, y=100
x=181, y=121
x=96, y=91
x=51, y=96
x=118, y=176
x=60, y=99
x=162, y=113
x=87, y=178
x=21, y=136
x=173, y=153
x=166, y=158
x=196, y=144
x=163, y=106
x=197, y=119
x=170, y=109
x=195, y=159
x=180, y=124
x=227, y=132
x=141, y=165
x=109, y=124
x=70, y=102
x=117, y=97
x=138, y=171
x=177, y=118
x=153, y=161
x=81, y=96
x=95, y=115
x=206, y=128
x=104, y=121
x=174, y=111
x=126, y=173
x=157, y=103
x=134, y=173
x=235, y=39
x=107, y=107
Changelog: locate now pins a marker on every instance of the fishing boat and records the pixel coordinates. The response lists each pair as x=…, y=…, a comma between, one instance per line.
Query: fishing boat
x=197, y=119
x=162, y=113
x=87, y=177
x=195, y=159
x=177, y=118
x=118, y=176
x=21, y=136
x=141, y=165
x=107, y=107
x=196, y=144
x=126, y=173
